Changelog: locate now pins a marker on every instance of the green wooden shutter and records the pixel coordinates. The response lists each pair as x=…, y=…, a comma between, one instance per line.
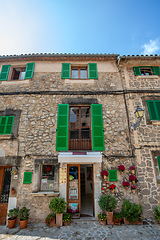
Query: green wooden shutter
x=29, y=70
x=158, y=158
x=66, y=70
x=6, y=124
x=92, y=70
x=97, y=128
x=156, y=70
x=137, y=71
x=4, y=72
x=27, y=178
x=154, y=109
x=112, y=175
x=62, y=127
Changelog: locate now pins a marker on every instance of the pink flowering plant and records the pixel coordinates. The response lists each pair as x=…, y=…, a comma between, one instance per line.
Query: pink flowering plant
x=132, y=168
x=132, y=178
x=133, y=187
x=121, y=168
x=104, y=173
x=126, y=184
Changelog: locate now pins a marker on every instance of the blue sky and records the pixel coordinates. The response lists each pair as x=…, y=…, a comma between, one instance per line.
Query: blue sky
x=71, y=26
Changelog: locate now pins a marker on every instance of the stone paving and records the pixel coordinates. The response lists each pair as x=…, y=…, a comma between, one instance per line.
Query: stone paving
x=82, y=230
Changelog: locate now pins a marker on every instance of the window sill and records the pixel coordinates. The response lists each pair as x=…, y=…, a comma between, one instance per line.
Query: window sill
x=48, y=194
x=6, y=136
x=148, y=77
x=13, y=82
x=156, y=122
x=78, y=81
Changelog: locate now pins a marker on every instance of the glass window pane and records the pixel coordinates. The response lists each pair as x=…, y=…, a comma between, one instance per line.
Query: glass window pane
x=74, y=72
x=47, y=178
x=22, y=74
x=83, y=73
x=73, y=182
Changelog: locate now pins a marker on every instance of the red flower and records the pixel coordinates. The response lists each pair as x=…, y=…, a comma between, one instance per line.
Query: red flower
x=104, y=173
x=12, y=189
x=126, y=184
x=132, y=168
x=121, y=168
x=112, y=186
x=133, y=187
x=70, y=210
x=132, y=178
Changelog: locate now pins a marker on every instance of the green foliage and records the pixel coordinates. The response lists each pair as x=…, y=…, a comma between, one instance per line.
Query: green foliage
x=13, y=213
x=58, y=205
x=117, y=217
x=157, y=213
x=50, y=218
x=67, y=217
x=107, y=202
x=131, y=212
x=102, y=216
x=23, y=213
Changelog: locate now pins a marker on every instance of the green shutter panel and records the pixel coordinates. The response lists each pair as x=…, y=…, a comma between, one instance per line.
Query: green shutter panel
x=27, y=178
x=151, y=110
x=66, y=70
x=2, y=124
x=92, y=70
x=10, y=120
x=97, y=128
x=156, y=70
x=137, y=71
x=62, y=127
x=112, y=175
x=158, y=158
x=4, y=72
x=29, y=70
x=157, y=107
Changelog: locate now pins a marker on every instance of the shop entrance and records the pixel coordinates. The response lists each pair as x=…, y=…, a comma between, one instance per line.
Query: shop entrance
x=5, y=179
x=80, y=194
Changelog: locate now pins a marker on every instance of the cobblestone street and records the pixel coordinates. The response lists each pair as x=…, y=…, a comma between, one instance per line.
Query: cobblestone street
x=82, y=230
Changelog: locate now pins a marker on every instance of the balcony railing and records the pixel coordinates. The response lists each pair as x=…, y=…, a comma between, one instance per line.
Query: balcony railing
x=80, y=140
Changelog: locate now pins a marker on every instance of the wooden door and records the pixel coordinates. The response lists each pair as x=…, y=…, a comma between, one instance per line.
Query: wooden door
x=5, y=179
x=73, y=187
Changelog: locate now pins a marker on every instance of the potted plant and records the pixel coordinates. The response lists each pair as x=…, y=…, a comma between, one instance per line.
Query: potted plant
x=67, y=219
x=104, y=174
x=121, y=168
x=117, y=218
x=132, y=169
x=133, y=188
x=108, y=203
x=58, y=205
x=74, y=213
x=126, y=184
x=12, y=216
x=23, y=215
x=131, y=212
x=157, y=213
x=112, y=187
x=12, y=190
x=50, y=220
x=102, y=218
x=132, y=179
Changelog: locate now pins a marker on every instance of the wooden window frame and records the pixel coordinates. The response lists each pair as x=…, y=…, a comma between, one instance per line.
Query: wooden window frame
x=147, y=69
x=41, y=166
x=79, y=71
x=13, y=72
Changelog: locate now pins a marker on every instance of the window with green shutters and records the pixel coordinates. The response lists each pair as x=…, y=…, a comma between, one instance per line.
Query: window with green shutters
x=27, y=178
x=6, y=124
x=154, y=109
x=70, y=71
x=112, y=175
x=4, y=72
x=158, y=159
x=146, y=70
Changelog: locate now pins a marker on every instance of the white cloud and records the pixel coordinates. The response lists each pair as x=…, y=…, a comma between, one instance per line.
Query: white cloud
x=151, y=48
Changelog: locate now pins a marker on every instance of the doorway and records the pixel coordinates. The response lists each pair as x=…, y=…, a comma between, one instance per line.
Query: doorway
x=5, y=179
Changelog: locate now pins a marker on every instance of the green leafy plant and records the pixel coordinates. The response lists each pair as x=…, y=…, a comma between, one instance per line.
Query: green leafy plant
x=23, y=213
x=131, y=212
x=102, y=216
x=107, y=202
x=13, y=213
x=50, y=218
x=157, y=213
x=67, y=217
x=58, y=205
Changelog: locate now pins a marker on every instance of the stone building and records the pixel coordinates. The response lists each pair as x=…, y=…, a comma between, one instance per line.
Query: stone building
x=67, y=117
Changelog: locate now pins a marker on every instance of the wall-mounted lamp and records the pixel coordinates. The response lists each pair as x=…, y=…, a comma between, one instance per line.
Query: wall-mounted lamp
x=139, y=114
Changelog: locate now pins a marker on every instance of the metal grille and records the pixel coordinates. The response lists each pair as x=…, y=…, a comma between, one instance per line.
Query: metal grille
x=6, y=185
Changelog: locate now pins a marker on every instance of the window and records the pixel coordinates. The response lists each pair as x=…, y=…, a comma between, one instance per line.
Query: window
x=74, y=128
x=154, y=109
x=79, y=72
x=47, y=177
x=6, y=124
x=17, y=73
x=146, y=70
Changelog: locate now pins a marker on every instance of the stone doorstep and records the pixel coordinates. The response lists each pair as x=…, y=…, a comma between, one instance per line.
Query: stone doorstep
x=81, y=219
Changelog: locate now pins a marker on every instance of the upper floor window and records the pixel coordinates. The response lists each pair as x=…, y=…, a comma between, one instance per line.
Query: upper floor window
x=88, y=71
x=8, y=72
x=146, y=70
x=6, y=124
x=154, y=109
x=80, y=128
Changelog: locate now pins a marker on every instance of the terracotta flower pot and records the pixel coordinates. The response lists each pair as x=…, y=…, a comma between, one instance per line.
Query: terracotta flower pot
x=52, y=224
x=23, y=224
x=59, y=219
x=159, y=221
x=113, y=190
x=105, y=177
x=137, y=222
x=13, y=192
x=133, y=171
x=66, y=223
x=11, y=223
x=109, y=218
x=133, y=191
x=133, y=182
x=117, y=223
x=126, y=187
x=102, y=222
